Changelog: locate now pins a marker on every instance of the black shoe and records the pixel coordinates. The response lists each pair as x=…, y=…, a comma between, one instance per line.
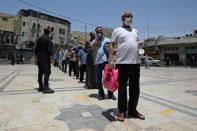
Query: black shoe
x=112, y=97
x=48, y=91
x=39, y=89
x=80, y=81
x=101, y=97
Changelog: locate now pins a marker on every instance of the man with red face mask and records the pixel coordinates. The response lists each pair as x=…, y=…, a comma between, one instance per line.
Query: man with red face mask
x=125, y=39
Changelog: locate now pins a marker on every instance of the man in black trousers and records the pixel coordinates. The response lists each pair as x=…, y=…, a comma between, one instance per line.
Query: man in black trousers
x=43, y=58
x=125, y=39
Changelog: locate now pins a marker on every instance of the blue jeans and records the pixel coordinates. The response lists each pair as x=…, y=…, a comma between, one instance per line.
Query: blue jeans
x=99, y=75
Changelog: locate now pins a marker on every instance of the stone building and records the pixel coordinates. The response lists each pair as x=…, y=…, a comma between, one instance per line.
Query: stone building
x=6, y=34
x=179, y=50
x=19, y=33
x=29, y=25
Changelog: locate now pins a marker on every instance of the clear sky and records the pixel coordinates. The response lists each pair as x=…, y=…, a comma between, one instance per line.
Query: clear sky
x=158, y=17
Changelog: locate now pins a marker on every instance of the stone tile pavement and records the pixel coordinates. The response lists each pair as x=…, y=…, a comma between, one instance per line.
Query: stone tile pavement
x=168, y=99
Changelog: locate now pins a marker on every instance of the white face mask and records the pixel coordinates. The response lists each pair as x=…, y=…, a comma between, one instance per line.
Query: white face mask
x=128, y=21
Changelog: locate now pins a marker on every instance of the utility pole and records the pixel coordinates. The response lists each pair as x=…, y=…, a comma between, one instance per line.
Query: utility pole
x=147, y=28
x=37, y=30
x=85, y=33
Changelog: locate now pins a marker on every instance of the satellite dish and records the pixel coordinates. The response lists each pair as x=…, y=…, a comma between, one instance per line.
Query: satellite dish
x=141, y=51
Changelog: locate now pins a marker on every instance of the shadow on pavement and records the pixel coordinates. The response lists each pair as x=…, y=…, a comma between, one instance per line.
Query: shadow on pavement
x=110, y=114
x=33, y=91
x=93, y=96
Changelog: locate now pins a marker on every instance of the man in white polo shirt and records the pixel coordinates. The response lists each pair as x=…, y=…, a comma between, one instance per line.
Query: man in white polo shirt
x=125, y=39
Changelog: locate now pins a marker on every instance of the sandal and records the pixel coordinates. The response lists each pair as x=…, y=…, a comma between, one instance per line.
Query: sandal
x=121, y=117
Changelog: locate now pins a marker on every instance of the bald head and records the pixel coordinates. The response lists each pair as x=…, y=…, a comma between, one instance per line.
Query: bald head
x=92, y=35
x=126, y=14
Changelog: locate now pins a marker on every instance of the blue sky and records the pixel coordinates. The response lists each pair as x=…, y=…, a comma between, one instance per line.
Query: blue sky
x=159, y=17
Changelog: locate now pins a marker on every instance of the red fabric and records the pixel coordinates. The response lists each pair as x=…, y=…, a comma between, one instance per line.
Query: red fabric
x=110, y=78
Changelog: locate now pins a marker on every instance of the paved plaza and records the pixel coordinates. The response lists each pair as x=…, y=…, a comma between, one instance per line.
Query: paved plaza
x=168, y=99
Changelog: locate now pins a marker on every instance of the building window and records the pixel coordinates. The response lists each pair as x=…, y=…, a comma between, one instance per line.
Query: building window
x=5, y=19
x=23, y=23
x=62, y=31
x=61, y=39
x=23, y=34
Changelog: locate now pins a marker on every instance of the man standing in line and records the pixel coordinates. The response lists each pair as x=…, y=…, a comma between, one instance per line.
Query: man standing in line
x=125, y=39
x=82, y=58
x=100, y=60
x=43, y=58
x=90, y=71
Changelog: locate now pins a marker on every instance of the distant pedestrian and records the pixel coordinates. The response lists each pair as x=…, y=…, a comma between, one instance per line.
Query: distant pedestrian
x=64, y=65
x=193, y=62
x=66, y=60
x=21, y=58
x=43, y=57
x=61, y=56
x=167, y=61
x=76, y=61
x=56, y=59
x=82, y=67
x=18, y=59
x=146, y=59
x=72, y=64
x=125, y=39
x=100, y=60
x=12, y=59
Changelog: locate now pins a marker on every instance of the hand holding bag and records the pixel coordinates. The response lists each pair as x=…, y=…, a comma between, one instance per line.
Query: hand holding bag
x=110, y=78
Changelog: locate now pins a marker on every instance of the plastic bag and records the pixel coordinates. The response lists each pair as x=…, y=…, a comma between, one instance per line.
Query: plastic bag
x=110, y=78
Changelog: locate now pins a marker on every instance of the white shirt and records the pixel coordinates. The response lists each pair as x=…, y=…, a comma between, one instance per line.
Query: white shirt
x=127, y=51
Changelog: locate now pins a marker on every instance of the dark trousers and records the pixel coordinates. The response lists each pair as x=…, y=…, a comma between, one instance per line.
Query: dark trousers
x=82, y=70
x=72, y=67
x=64, y=65
x=44, y=69
x=193, y=64
x=99, y=75
x=76, y=69
x=129, y=72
